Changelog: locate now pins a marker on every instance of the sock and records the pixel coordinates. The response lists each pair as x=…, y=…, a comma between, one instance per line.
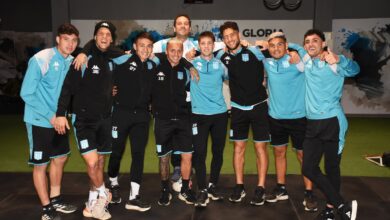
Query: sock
x=241, y=186
x=102, y=191
x=185, y=184
x=93, y=195
x=47, y=208
x=165, y=184
x=308, y=192
x=113, y=181
x=55, y=199
x=328, y=209
x=134, y=190
x=281, y=186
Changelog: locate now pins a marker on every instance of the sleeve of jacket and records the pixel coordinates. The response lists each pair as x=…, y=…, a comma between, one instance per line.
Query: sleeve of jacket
x=69, y=87
x=29, y=88
x=347, y=67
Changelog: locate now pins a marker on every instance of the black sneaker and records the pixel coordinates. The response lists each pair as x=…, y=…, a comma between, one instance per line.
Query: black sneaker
x=348, y=211
x=202, y=199
x=212, y=193
x=187, y=196
x=310, y=203
x=238, y=194
x=259, y=197
x=116, y=197
x=278, y=194
x=165, y=198
x=137, y=204
x=50, y=214
x=326, y=214
x=60, y=206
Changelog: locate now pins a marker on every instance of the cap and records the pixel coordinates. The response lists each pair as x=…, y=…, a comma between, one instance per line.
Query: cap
x=108, y=25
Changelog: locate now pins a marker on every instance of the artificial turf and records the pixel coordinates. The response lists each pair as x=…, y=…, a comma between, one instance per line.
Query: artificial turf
x=365, y=136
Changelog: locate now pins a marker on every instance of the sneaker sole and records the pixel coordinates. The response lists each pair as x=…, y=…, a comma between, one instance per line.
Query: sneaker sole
x=166, y=204
x=307, y=209
x=185, y=200
x=257, y=204
x=116, y=202
x=354, y=209
x=137, y=208
x=215, y=198
x=66, y=211
x=238, y=200
x=87, y=214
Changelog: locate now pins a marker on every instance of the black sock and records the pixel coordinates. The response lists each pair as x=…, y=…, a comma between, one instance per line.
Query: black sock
x=241, y=186
x=185, y=184
x=55, y=199
x=282, y=186
x=47, y=208
x=308, y=192
x=165, y=184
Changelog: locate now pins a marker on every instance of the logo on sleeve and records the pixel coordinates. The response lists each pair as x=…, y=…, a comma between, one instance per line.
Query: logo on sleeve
x=95, y=69
x=245, y=57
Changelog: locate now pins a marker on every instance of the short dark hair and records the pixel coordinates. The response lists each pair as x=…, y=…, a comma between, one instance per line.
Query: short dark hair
x=143, y=35
x=206, y=34
x=228, y=24
x=67, y=29
x=181, y=15
x=315, y=32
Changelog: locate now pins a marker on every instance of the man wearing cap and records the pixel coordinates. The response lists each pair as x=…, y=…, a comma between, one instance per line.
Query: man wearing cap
x=91, y=88
x=40, y=90
x=286, y=109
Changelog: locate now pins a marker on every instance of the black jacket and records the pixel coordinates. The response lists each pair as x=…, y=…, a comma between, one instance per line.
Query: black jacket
x=133, y=79
x=169, y=90
x=90, y=87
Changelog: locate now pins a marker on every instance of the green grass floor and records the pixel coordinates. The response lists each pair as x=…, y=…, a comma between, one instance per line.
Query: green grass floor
x=365, y=136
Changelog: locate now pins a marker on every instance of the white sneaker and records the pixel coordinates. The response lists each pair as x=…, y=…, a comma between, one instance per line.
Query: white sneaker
x=176, y=186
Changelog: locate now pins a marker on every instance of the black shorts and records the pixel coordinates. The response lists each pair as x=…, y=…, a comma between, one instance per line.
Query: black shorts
x=173, y=136
x=257, y=118
x=282, y=129
x=93, y=134
x=46, y=144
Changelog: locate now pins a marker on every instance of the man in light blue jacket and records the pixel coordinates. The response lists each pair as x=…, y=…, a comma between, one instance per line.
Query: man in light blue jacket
x=326, y=122
x=40, y=91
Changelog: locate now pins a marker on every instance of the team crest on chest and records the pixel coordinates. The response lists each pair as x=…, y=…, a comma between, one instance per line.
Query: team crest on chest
x=56, y=66
x=245, y=57
x=285, y=64
x=150, y=65
x=95, y=69
x=215, y=65
x=180, y=75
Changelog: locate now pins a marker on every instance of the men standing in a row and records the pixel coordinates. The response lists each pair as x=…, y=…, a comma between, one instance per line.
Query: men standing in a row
x=40, y=91
x=209, y=116
x=133, y=75
x=249, y=108
x=91, y=88
x=326, y=122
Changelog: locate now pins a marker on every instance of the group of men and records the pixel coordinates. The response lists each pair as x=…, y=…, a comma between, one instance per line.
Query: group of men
x=110, y=96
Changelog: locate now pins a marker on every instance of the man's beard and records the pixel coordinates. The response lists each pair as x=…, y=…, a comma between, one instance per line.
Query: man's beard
x=235, y=46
